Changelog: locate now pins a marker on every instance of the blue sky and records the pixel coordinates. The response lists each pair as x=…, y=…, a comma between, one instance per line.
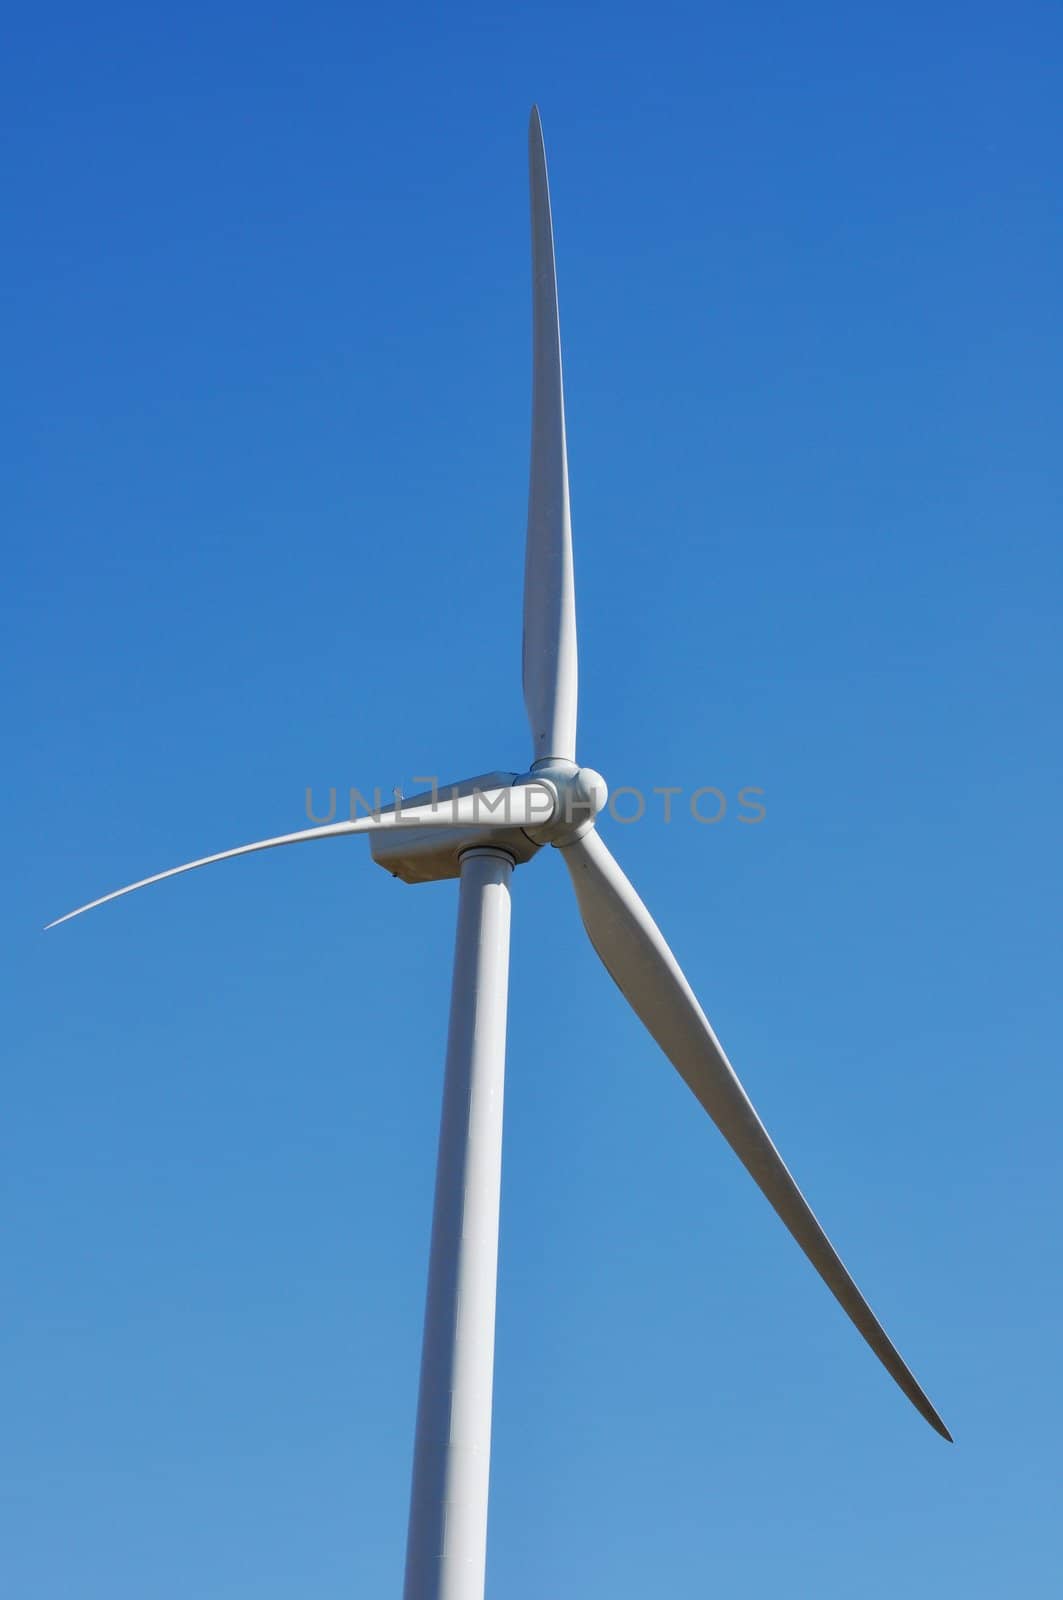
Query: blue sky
x=264, y=470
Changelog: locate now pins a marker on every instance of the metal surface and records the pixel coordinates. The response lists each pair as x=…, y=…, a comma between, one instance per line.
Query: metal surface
x=447, y=1540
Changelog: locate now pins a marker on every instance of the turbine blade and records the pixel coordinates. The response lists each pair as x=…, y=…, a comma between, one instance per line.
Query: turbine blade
x=550, y=673
x=330, y=831
x=636, y=956
x=516, y=806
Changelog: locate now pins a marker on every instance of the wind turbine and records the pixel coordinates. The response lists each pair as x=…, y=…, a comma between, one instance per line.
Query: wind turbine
x=478, y=831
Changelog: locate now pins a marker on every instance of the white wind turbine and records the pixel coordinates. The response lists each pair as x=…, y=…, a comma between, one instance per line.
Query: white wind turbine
x=478, y=831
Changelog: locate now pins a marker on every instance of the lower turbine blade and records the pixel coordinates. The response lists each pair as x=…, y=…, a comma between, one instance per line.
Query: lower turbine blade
x=636, y=956
x=516, y=806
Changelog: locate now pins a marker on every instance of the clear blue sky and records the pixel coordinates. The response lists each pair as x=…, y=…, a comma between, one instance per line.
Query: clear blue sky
x=264, y=480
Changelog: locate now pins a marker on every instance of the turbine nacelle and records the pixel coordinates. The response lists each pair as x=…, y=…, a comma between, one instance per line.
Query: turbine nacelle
x=555, y=803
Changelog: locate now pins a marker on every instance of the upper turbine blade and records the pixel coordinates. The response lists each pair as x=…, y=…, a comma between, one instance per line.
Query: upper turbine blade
x=515, y=806
x=550, y=674
x=635, y=954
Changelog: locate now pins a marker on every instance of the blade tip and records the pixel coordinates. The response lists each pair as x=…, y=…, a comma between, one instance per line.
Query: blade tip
x=927, y=1412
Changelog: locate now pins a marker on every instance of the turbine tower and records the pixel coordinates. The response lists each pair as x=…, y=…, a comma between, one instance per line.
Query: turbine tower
x=478, y=831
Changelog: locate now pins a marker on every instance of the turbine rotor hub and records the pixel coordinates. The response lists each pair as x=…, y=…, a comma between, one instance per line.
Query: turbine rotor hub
x=581, y=794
